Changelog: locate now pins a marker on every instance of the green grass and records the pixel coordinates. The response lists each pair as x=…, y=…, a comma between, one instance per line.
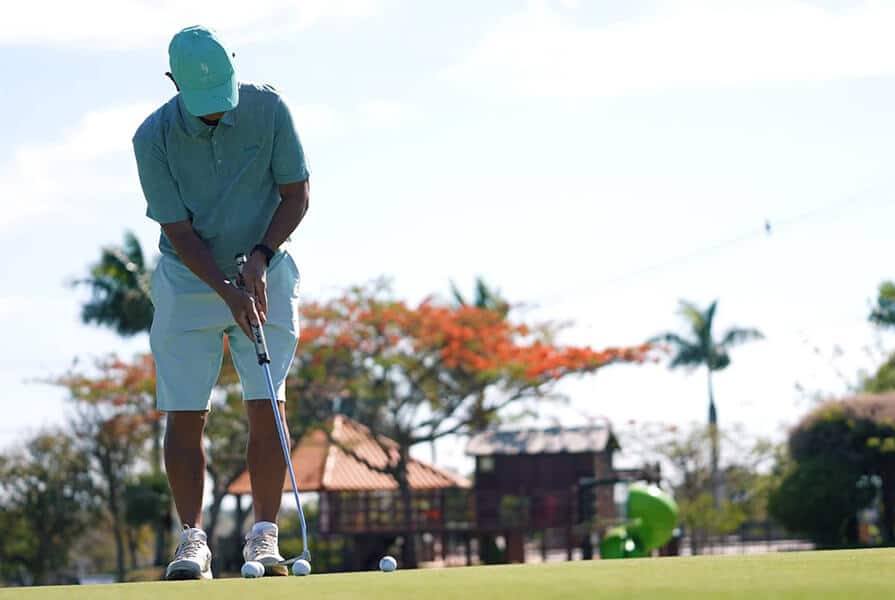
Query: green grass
x=849, y=574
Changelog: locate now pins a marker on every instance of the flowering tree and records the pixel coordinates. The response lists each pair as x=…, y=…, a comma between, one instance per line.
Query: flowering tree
x=112, y=419
x=416, y=374
x=47, y=499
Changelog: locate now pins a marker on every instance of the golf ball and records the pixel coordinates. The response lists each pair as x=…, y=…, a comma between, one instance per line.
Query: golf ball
x=252, y=569
x=388, y=564
x=301, y=567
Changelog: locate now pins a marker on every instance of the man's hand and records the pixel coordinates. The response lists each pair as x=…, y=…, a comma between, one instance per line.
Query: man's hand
x=254, y=276
x=242, y=305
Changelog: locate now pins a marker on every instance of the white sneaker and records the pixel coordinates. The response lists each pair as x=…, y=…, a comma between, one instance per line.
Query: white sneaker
x=262, y=546
x=192, y=560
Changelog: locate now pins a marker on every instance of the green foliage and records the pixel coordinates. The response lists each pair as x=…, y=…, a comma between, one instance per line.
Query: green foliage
x=119, y=285
x=112, y=418
x=837, y=450
x=700, y=517
x=820, y=498
x=884, y=378
x=147, y=498
x=685, y=459
x=699, y=346
x=883, y=312
x=18, y=543
x=227, y=435
x=485, y=297
x=49, y=499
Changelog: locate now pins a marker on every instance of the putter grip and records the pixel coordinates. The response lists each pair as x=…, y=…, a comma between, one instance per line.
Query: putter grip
x=260, y=344
x=257, y=331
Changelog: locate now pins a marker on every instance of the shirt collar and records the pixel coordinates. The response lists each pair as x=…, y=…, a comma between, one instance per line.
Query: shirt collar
x=194, y=125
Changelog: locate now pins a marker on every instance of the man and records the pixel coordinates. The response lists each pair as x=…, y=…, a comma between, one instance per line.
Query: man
x=223, y=173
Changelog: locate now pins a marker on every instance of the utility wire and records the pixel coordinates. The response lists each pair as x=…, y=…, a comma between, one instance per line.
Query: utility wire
x=769, y=228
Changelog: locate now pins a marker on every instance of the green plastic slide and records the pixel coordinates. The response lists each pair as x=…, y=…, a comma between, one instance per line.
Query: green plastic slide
x=652, y=517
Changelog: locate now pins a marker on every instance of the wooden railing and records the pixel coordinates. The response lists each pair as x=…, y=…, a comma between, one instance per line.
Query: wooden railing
x=449, y=510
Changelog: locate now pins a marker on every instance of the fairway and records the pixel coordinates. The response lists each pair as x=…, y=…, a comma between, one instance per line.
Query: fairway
x=842, y=574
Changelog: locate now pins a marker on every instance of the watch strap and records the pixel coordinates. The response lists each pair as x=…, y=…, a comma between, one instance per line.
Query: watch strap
x=265, y=250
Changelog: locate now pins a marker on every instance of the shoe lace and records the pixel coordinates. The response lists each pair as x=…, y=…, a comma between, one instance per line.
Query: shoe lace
x=189, y=548
x=263, y=544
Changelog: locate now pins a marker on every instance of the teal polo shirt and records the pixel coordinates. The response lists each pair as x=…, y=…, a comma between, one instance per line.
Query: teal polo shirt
x=223, y=178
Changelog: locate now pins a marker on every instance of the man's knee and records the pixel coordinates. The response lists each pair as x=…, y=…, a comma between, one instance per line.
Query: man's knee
x=184, y=429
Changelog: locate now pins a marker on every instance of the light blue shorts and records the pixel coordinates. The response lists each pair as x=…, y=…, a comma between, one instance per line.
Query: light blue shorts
x=188, y=329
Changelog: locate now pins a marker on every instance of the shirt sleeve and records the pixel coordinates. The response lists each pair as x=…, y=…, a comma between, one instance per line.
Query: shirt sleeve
x=163, y=202
x=288, y=160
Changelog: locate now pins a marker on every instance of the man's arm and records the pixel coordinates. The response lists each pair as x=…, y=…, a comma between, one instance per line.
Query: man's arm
x=196, y=256
x=291, y=210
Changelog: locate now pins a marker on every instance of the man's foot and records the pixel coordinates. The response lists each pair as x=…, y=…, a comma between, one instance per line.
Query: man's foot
x=192, y=560
x=261, y=545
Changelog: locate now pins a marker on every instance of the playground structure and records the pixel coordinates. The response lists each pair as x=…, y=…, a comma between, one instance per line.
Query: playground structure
x=650, y=522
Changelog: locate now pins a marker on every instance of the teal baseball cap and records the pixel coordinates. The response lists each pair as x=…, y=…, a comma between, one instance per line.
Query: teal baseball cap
x=203, y=70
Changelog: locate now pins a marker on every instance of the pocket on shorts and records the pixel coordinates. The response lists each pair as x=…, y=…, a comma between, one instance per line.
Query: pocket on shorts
x=283, y=286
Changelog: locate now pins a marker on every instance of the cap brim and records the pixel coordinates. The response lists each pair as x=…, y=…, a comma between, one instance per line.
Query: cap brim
x=213, y=100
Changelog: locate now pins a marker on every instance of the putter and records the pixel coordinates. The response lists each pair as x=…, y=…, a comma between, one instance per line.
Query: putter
x=264, y=361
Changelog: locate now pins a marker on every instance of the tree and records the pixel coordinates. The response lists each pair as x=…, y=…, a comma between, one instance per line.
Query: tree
x=119, y=285
x=820, y=498
x=859, y=431
x=112, y=417
x=420, y=373
x=702, y=349
x=883, y=312
x=120, y=299
x=147, y=502
x=49, y=500
x=883, y=315
x=484, y=297
x=884, y=378
x=227, y=435
x=686, y=468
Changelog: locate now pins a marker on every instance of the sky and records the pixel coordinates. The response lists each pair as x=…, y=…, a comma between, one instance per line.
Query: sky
x=596, y=161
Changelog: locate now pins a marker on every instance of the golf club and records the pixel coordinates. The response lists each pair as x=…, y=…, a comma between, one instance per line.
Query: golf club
x=264, y=360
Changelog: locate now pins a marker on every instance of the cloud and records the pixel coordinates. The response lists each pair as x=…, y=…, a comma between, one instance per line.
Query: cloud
x=541, y=52
x=63, y=175
x=123, y=24
x=92, y=163
x=382, y=113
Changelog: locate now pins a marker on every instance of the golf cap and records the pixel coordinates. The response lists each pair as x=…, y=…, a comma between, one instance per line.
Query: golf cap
x=203, y=70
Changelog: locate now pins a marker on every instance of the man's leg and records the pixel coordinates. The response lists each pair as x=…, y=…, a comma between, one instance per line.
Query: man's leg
x=267, y=469
x=185, y=463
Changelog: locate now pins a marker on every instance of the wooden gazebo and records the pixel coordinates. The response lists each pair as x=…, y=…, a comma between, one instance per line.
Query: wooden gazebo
x=365, y=504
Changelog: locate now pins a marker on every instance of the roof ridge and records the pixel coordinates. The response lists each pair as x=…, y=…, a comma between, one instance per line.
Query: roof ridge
x=441, y=472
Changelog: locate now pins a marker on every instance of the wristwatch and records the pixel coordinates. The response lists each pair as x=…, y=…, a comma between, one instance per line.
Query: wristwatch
x=266, y=251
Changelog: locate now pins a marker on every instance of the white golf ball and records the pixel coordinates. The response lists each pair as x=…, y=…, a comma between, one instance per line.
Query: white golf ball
x=388, y=564
x=301, y=567
x=252, y=569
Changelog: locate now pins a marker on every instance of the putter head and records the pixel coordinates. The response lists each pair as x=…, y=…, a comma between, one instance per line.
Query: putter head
x=288, y=562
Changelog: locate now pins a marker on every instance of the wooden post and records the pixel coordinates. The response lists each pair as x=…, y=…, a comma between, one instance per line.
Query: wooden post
x=569, y=543
x=444, y=546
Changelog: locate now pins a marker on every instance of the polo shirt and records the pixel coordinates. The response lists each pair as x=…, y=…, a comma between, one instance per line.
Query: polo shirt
x=222, y=178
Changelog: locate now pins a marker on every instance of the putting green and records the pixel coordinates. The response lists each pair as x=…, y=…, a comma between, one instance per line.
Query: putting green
x=849, y=574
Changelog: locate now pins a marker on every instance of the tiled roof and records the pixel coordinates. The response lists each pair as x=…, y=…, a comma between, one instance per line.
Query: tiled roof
x=323, y=466
x=553, y=440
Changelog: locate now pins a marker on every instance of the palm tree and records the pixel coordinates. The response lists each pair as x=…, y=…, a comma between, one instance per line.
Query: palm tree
x=119, y=285
x=485, y=297
x=699, y=348
x=120, y=299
